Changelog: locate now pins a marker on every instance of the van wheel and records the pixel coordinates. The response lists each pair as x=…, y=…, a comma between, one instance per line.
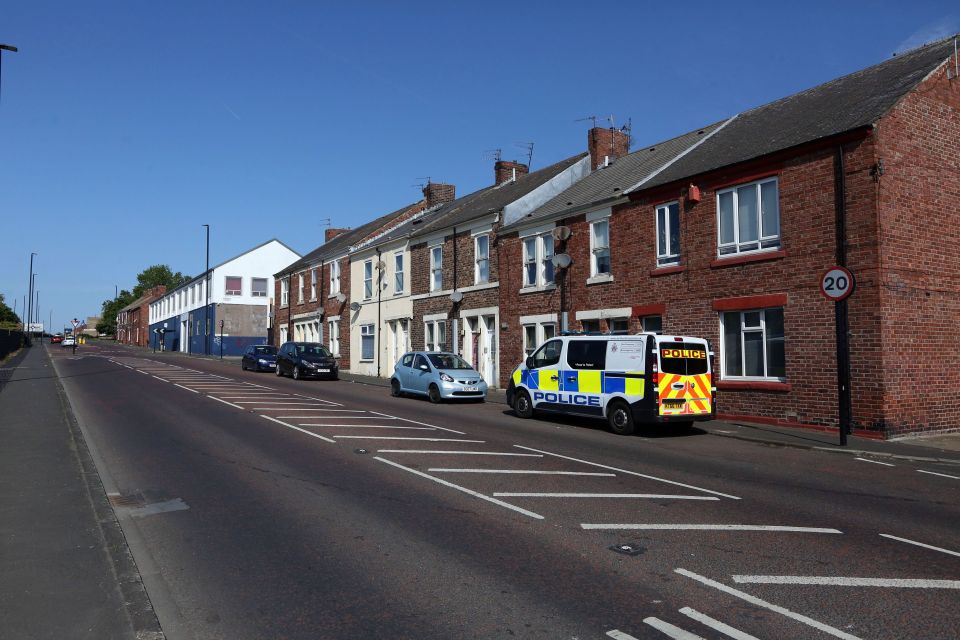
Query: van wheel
x=522, y=405
x=395, y=388
x=434, y=394
x=620, y=418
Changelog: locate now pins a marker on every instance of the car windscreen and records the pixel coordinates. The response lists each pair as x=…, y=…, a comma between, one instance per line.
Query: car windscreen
x=448, y=361
x=264, y=351
x=683, y=358
x=312, y=350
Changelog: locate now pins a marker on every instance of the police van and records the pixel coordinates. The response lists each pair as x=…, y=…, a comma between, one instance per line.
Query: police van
x=624, y=378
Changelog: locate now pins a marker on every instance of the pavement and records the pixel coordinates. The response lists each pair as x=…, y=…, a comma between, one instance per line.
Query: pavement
x=63, y=550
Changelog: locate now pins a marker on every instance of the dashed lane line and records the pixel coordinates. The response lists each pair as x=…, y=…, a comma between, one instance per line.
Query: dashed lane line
x=842, y=581
x=886, y=464
x=652, y=496
x=920, y=544
x=810, y=622
x=525, y=472
x=716, y=625
x=705, y=527
x=942, y=475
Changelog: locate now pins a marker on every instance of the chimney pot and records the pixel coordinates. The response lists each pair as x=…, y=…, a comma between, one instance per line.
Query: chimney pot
x=438, y=193
x=507, y=170
x=330, y=234
x=606, y=145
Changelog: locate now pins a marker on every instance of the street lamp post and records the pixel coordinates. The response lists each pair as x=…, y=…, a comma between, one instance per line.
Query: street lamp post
x=206, y=306
x=6, y=47
x=26, y=327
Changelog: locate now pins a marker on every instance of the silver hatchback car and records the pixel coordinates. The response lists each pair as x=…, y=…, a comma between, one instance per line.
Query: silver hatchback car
x=437, y=375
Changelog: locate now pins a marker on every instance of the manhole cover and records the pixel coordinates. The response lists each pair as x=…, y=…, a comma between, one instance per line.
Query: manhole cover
x=628, y=548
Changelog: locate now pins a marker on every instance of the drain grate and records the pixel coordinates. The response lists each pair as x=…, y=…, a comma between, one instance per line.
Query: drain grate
x=628, y=548
x=134, y=501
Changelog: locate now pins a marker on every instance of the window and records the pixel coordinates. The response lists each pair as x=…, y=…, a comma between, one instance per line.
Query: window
x=590, y=326
x=587, y=354
x=536, y=334
x=419, y=362
x=368, y=279
x=618, y=325
x=333, y=331
x=652, y=324
x=408, y=360
x=753, y=344
x=193, y=297
x=435, y=335
x=749, y=218
x=668, y=234
x=300, y=289
x=233, y=286
x=258, y=288
x=398, y=273
x=481, y=251
x=313, y=284
x=285, y=291
x=538, y=260
x=600, y=248
x=436, y=268
x=366, y=342
x=548, y=354
x=334, y=277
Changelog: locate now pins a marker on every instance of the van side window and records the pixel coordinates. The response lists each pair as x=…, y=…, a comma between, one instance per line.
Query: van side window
x=548, y=354
x=587, y=354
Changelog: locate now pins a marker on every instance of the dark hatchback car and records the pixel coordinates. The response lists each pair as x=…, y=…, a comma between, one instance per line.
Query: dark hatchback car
x=260, y=357
x=306, y=360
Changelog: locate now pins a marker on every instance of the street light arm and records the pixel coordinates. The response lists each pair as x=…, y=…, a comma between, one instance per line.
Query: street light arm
x=9, y=47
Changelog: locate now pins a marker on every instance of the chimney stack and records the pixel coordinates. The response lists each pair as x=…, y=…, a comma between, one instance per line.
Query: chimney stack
x=606, y=145
x=507, y=170
x=330, y=234
x=438, y=193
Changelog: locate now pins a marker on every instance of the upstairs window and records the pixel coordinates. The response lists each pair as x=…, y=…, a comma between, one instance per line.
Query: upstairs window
x=334, y=277
x=258, y=288
x=749, y=218
x=313, y=284
x=600, y=248
x=368, y=279
x=398, y=273
x=300, y=289
x=436, y=268
x=233, y=286
x=668, y=234
x=285, y=291
x=481, y=251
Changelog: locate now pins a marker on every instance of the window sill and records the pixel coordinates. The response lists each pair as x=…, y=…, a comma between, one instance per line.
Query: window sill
x=667, y=270
x=600, y=279
x=763, y=256
x=526, y=290
x=753, y=385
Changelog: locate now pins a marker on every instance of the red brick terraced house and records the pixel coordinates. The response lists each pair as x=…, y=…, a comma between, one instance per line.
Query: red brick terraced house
x=726, y=233
x=133, y=321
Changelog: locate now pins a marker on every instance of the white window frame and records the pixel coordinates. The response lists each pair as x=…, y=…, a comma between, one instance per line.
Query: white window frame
x=481, y=258
x=543, y=331
x=253, y=287
x=745, y=329
x=285, y=291
x=368, y=333
x=665, y=258
x=300, y=289
x=334, y=278
x=769, y=242
x=313, y=284
x=542, y=257
x=436, y=267
x=367, y=279
x=232, y=292
x=596, y=250
x=398, y=274
x=333, y=335
x=434, y=335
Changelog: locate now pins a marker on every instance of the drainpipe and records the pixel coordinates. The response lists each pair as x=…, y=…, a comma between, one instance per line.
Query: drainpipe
x=454, y=325
x=379, y=293
x=845, y=403
x=289, y=305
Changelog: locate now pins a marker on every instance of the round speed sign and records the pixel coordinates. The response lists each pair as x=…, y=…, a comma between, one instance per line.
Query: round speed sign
x=837, y=283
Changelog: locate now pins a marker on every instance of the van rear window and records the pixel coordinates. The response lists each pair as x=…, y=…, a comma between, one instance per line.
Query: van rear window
x=683, y=358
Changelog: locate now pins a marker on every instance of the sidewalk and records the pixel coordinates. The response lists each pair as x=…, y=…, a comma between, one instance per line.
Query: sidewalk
x=66, y=570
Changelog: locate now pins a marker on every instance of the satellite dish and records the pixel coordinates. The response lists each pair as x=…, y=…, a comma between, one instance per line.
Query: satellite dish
x=561, y=261
x=341, y=298
x=561, y=233
x=456, y=296
x=381, y=265
x=354, y=306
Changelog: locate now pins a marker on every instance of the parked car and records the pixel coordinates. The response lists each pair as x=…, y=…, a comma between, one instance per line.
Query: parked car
x=56, y=338
x=259, y=357
x=437, y=375
x=306, y=360
x=69, y=341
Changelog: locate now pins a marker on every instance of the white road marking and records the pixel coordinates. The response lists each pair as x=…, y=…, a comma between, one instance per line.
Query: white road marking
x=723, y=628
x=838, y=581
x=225, y=402
x=616, y=634
x=328, y=417
x=942, y=475
x=920, y=544
x=187, y=388
x=460, y=453
x=463, y=489
x=334, y=410
x=525, y=471
x=706, y=527
x=837, y=633
x=330, y=402
x=161, y=379
x=295, y=428
x=668, y=629
x=886, y=464
x=363, y=426
x=282, y=408
x=632, y=473
x=654, y=496
x=146, y=373
x=403, y=438
x=279, y=403
x=459, y=433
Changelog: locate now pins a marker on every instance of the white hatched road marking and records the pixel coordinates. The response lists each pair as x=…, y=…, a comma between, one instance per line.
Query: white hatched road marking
x=705, y=527
x=161, y=379
x=368, y=418
x=459, y=433
x=525, y=471
x=225, y=402
x=886, y=464
x=632, y=473
x=296, y=428
x=670, y=630
x=461, y=453
x=654, y=496
x=942, y=475
x=920, y=544
x=616, y=634
x=463, y=489
x=363, y=426
x=837, y=633
x=404, y=438
x=839, y=581
x=723, y=628
x=283, y=409
x=187, y=388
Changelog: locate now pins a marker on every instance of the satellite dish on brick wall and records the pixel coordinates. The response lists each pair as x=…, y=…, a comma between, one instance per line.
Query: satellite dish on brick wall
x=341, y=298
x=561, y=233
x=561, y=261
x=456, y=296
x=354, y=306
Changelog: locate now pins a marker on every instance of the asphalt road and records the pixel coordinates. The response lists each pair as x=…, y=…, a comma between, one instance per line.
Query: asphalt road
x=259, y=507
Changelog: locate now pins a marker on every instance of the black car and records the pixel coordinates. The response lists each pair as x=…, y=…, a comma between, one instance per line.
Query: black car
x=306, y=360
x=260, y=357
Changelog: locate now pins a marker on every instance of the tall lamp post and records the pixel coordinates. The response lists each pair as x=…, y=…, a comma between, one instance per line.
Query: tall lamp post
x=206, y=306
x=6, y=47
x=29, y=315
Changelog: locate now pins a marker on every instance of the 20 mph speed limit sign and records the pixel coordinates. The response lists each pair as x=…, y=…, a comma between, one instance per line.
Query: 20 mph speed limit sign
x=837, y=283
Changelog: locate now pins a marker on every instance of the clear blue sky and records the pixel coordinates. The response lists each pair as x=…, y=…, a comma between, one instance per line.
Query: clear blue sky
x=126, y=125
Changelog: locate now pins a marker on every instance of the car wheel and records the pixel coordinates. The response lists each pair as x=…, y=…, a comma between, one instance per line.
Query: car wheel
x=243, y=366
x=296, y=373
x=620, y=418
x=522, y=405
x=279, y=371
x=434, y=394
x=395, y=388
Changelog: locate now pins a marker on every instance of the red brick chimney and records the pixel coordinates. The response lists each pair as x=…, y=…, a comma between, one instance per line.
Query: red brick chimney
x=506, y=170
x=606, y=145
x=330, y=234
x=438, y=193
x=157, y=291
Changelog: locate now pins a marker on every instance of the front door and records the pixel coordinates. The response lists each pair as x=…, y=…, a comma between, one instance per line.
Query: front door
x=489, y=351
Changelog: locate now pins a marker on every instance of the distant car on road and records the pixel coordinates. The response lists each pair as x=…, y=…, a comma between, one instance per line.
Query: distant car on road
x=260, y=357
x=306, y=360
x=437, y=375
x=56, y=338
x=69, y=341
